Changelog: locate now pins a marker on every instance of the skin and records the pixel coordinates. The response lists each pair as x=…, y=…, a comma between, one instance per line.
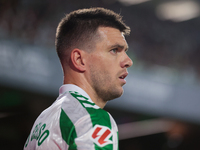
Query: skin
x=100, y=73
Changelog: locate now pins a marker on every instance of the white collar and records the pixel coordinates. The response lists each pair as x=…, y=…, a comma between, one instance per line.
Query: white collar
x=71, y=87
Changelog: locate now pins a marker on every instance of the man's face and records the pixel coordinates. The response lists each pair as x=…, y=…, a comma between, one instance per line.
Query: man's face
x=108, y=64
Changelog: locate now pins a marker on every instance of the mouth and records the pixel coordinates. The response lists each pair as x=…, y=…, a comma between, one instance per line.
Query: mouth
x=123, y=76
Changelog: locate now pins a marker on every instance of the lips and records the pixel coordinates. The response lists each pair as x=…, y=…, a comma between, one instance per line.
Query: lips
x=123, y=76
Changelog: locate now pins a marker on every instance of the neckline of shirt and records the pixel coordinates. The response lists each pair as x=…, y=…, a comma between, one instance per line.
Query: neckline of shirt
x=71, y=87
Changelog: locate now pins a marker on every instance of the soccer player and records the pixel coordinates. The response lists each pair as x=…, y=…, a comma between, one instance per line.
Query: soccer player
x=92, y=49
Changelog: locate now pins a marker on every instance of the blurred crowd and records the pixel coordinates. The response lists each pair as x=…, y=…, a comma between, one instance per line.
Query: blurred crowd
x=152, y=41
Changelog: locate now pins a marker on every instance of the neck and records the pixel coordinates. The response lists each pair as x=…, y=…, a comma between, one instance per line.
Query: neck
x=81, y=81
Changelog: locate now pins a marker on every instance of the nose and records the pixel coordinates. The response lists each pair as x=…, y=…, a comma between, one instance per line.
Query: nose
x=127, y=62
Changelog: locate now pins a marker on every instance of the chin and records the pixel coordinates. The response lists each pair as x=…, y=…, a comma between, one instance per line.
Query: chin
x=119, y=93
x=111, y=93
x=121, y=90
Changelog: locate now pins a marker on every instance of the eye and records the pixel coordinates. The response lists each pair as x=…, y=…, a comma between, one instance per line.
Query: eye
x=114, y=50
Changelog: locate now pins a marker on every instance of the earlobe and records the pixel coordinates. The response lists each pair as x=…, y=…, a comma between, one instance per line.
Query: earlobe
x=77, y=58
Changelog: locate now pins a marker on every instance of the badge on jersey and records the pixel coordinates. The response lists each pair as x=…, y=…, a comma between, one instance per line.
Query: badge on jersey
x=100, y=135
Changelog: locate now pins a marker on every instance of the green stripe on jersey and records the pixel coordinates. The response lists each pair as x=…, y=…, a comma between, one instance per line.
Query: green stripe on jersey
x=67, y=130
x=100, y=117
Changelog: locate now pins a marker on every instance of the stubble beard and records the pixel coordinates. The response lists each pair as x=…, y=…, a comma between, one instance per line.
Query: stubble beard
x=103, y=86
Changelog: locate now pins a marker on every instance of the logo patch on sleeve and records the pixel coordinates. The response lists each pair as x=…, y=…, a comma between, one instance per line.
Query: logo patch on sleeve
x=100, y=135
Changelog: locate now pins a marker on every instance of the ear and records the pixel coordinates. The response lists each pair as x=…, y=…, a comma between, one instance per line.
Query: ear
x=77, y=59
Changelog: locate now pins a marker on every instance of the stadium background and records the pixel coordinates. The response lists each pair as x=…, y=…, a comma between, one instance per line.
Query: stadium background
x=160, y=107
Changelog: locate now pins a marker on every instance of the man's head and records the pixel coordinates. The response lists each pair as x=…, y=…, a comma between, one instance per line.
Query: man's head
x=92, y=49
x=78, y=29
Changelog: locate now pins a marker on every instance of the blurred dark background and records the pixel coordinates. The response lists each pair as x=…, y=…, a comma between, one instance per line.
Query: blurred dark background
x=160, y=107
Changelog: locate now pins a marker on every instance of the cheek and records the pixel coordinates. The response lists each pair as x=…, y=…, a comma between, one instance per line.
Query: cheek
x=97, y=60
x=105, y=64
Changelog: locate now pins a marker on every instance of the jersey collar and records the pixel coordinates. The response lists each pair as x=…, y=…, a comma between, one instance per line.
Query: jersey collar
x=71, y=87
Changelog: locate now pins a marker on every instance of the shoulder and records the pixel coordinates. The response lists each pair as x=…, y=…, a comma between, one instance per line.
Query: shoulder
x=81, y=120
x=77, y=108
x=78, y=111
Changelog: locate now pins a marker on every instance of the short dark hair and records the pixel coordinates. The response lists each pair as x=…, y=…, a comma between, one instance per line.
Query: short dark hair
x=79, y=27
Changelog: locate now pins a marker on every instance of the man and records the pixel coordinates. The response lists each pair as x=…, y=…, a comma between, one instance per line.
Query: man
x=92, y=50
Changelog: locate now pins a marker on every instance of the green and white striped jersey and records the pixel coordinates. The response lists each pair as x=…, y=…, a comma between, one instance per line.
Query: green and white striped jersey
x=73, y=122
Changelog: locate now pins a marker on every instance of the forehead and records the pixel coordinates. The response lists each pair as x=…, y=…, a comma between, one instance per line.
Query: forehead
x=110, y=36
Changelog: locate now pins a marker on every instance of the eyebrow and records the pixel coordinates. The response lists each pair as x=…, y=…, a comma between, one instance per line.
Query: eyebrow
x=119, y=46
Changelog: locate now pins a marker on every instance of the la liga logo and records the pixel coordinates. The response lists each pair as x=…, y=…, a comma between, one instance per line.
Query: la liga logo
x=100, y=135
